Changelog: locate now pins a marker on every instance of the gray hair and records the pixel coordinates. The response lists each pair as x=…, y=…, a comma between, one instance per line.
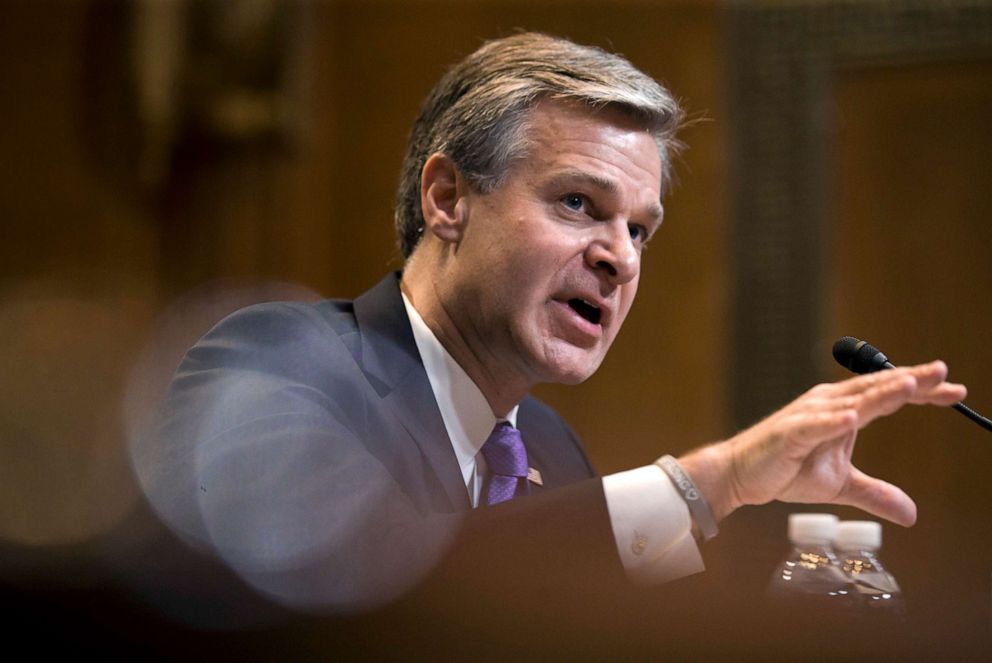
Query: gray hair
x=477, y=113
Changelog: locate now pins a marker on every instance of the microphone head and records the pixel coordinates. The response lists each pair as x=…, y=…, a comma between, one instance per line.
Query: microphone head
x=859, y=356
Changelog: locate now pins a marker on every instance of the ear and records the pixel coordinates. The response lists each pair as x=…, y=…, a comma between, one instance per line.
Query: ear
x=441, y=198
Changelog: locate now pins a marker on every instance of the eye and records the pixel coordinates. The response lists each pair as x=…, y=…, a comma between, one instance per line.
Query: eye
x=638, y=233
x=574, y=201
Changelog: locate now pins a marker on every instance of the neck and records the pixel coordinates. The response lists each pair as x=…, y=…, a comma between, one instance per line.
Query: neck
x=499, y=383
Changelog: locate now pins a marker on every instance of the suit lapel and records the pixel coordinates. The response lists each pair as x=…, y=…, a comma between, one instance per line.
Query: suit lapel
x=532, y=438
x=389, y=358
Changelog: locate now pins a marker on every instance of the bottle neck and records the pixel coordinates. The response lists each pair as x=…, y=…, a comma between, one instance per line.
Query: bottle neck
x=813, y=545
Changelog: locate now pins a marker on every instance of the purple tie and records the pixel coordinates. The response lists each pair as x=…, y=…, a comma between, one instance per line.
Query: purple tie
x=507, y=459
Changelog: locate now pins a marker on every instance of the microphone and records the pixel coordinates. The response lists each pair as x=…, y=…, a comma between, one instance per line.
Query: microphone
x=860, y=356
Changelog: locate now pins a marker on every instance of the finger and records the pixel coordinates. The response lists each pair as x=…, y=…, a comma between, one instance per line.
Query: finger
x=928, y=375
x=918, y=385
x=931, y=385
x=862, y=383
x=946, y=393
x=818, y=404
x=885, y=398
x=877, y=497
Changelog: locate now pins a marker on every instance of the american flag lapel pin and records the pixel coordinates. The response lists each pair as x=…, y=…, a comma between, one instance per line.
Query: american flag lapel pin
x=534, y=476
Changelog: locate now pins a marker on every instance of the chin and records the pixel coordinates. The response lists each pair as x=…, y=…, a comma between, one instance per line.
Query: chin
x=571, y=370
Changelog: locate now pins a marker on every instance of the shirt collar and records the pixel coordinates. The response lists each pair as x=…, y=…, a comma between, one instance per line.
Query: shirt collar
x=466, y=413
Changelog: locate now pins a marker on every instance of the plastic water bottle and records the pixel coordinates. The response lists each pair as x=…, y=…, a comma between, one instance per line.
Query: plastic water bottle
x=810, y=574
x=857, y=543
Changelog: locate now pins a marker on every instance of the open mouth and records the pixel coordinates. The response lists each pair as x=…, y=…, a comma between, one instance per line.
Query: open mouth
x=586, y=310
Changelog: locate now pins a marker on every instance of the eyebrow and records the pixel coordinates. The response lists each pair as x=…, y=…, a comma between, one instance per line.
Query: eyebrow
x=596, y=181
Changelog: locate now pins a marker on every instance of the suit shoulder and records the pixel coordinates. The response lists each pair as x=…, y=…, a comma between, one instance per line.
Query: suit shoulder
x=276, y=336
x=274, y=318
x=271, y=322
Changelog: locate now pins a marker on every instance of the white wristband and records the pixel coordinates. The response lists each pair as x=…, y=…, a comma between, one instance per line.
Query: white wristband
x=698, y=508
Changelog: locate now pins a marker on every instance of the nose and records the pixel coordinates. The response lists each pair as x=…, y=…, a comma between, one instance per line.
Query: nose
x=614, y=254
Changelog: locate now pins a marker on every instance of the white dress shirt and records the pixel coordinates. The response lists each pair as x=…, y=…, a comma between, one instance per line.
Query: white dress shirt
x=651, y=522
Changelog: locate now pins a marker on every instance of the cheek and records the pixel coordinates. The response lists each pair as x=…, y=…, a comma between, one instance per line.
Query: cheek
x=528, y=263
x=627, y=294
x=629, y=289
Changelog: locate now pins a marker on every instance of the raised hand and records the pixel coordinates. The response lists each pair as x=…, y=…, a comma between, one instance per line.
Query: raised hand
x=802, y=453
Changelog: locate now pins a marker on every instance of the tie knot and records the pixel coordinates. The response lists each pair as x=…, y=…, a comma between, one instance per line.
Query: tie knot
x=504, y=451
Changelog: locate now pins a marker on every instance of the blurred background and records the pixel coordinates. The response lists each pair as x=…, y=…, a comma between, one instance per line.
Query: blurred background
x=165, y=162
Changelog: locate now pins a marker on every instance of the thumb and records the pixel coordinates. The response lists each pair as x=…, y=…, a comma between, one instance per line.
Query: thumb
x=877, y=497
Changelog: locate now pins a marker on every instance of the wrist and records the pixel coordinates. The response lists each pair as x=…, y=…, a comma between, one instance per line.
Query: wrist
x=703, y=521
x=711, y=470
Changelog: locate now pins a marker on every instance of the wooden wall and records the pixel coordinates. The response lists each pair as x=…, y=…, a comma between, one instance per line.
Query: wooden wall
x=911, y=271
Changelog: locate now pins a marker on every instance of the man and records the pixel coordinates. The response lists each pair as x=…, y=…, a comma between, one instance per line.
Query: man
x=332, y=453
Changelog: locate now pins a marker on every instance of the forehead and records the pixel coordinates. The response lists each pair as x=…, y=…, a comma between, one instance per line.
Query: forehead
x=604, y=143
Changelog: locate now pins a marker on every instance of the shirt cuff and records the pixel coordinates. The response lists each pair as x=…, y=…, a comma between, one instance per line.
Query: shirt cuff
x=651, y=526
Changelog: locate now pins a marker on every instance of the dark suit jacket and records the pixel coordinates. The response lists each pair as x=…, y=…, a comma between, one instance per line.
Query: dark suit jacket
x=303, y=445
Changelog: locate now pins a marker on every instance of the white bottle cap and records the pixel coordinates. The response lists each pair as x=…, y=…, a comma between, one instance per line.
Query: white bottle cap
x=859, y=535
x=812, y=527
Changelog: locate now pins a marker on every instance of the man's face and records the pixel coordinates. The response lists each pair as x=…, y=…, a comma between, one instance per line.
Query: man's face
x=548, y=264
